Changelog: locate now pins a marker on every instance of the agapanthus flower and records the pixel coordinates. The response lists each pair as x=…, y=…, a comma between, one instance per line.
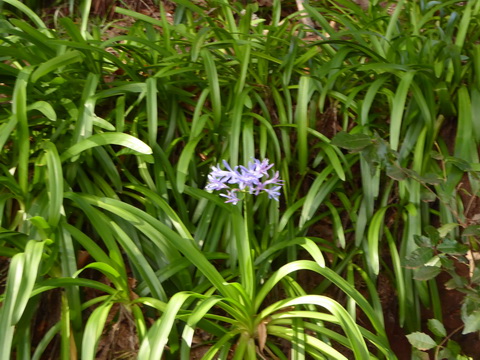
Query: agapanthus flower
x=253, y=178
x=231, y=196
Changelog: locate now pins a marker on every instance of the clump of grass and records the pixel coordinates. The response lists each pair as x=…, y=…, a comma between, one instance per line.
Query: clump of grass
x=107, y=145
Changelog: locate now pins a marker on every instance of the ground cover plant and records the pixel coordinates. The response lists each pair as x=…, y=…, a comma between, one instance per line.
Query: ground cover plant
x=240, y=180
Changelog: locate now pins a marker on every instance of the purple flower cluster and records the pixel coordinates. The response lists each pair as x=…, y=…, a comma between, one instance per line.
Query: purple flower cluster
x=248, y=179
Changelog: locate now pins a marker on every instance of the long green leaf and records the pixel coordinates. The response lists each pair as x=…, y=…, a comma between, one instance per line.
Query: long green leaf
x=93, y=330
x=301, y=118
x=113, y=138
x=152, y=110
x=27, y=11
x=33, y=255
x=188, y=332
x=54, y=184
x=6, y=129
x=157, y=337
x=14, y=281
x=57, y=63
x=19, y=111
x=214, y=85
x=328, y=274
x=374, y=232
x=84, y=124
x=184, y=162
x=351, y=329
x=398, y=108
x=140, y=262
x=164, y=237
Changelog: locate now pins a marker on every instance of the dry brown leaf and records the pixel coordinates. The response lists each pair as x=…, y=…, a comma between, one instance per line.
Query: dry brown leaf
x=262, y=335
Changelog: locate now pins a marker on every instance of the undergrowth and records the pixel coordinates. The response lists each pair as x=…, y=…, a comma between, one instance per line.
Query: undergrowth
x=370, y=117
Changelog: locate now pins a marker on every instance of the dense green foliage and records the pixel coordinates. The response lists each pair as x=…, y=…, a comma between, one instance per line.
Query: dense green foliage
x=108, y=132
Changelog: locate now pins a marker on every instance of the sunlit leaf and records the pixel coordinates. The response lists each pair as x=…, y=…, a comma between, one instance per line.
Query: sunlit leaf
x=421, y=341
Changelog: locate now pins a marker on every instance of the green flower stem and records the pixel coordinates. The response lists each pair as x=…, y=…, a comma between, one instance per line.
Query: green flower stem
x=248, y=274
x=242, y=238
x=249, y=226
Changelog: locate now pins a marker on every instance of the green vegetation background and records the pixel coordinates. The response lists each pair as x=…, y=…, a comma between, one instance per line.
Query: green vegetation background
x=111, y=247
